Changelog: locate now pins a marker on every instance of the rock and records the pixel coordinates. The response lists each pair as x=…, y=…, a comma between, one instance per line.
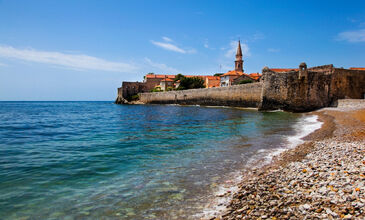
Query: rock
x=347, y=216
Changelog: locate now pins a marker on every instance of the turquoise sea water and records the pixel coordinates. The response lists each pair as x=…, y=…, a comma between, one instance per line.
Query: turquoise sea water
x=98, y=160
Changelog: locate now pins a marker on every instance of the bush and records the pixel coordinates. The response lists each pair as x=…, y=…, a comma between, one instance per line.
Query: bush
x=245, y=81
x=191, y=83
x=179, y=77
x=156, y=89
x=133, y=98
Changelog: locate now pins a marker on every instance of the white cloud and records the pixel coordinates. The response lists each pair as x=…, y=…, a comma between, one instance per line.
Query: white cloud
x=74, y=61
x=206, y=45
x=168, y=46
x=167, y=39
x=161, y=66
x=273, y=50
x=3, y=64
x=352, y=36
x=231, y=52
x=258, y=36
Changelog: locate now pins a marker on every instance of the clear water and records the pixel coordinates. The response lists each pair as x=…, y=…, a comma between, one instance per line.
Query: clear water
x=98, y=160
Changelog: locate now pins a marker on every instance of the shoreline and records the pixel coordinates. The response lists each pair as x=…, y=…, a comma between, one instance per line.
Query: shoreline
x=292, y=185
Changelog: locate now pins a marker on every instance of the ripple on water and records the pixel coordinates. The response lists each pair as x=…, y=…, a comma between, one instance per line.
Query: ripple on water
x=91, y=159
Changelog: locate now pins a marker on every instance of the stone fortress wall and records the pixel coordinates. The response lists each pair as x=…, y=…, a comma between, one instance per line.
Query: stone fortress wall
x=300, y=90
x=246, y=95
x=310, y=89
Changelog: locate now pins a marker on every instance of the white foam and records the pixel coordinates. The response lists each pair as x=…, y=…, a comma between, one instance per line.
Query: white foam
x=278, y=110
x=223, y=196
x=303, y=128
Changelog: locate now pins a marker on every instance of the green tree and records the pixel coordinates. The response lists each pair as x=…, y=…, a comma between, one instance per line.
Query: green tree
x=245, y=81
x=179, y=77
x=191, y=83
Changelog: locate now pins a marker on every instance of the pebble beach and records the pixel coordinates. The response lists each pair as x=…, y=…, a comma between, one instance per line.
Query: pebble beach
x=323, y=178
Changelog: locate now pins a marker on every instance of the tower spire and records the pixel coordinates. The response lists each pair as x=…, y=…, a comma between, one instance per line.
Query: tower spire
x=239, y=61
x=239, y=51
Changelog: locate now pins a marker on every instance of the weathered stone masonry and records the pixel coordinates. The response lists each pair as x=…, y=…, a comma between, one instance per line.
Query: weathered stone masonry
x=247, y=95
x=310, y=89
x=298, y=90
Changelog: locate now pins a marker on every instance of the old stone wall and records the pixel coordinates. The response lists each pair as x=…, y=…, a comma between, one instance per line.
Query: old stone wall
x=347, y=83
x=310, y=89
x=299, y=90
x=129, y=89
x=247, y=95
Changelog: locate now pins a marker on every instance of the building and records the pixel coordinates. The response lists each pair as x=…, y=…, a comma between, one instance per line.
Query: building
x=282, y=70
x=227, y=78
x=153, y=80
x=237, y=75
x=244, y=78
x=166, y=83
x=212, y=81
x=255, y=76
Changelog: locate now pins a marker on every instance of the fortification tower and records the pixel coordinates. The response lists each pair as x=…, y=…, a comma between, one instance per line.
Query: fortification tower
x=239, y=61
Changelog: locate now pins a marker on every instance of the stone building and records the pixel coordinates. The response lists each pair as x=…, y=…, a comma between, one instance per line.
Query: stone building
x=212, y=81
x=235, y=76
x=298, y=90
x=153, y=80
x=166, y=83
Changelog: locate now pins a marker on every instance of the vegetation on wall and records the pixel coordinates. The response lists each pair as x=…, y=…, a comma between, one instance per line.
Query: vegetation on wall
x=156, y=89
x=132, y=98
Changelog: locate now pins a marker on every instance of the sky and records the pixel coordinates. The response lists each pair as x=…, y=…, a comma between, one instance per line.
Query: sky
x=74, y=50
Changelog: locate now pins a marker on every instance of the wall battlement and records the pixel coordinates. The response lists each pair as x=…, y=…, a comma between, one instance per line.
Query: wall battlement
x=318, y=87
x=298, y=90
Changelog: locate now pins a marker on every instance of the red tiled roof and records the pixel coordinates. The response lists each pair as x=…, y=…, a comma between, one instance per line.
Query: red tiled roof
x=167, y=80
x=188, y=76
x=213, y=77
x=357, y=68
x=234, y=73
x=280, y=70
x=255, y=76
x=155, y=76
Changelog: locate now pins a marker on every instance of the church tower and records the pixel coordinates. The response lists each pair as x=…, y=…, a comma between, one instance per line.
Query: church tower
x=239, y=61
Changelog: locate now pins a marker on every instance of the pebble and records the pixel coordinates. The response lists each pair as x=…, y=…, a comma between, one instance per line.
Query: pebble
x=327, y=183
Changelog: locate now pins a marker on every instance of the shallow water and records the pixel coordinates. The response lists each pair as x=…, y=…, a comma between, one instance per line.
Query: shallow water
x=77, y=160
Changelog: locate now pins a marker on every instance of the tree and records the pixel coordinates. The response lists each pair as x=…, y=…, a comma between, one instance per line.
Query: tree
x=178, y=77
x=191, y=83
x=245, y=81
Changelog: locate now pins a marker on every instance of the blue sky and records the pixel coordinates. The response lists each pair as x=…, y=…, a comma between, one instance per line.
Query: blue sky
x=83, y=50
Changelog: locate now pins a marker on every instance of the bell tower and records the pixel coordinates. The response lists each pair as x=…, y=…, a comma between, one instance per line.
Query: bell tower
x=239, y=61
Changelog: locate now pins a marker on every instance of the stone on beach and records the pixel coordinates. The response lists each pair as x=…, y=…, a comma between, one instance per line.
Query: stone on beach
x=324, y=183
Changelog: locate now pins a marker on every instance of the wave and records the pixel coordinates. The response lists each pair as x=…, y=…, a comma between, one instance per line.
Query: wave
x=226, y=190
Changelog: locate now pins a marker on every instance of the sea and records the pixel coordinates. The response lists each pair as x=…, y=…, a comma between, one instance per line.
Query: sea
x=99, y=160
